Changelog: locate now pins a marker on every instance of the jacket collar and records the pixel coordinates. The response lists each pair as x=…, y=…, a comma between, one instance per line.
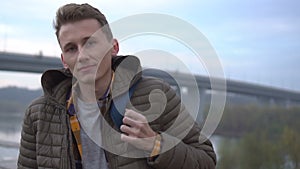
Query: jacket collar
x=127, y=72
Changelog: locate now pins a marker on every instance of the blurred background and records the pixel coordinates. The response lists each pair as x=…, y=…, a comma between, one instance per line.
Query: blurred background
x=257, y=43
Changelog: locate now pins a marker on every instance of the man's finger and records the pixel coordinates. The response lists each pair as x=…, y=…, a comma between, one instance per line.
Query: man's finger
x=130, y=131
x=134, y=115
x=133, y=123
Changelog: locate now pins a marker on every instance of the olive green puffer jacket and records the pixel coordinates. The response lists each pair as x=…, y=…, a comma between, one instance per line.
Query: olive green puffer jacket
x=46, y=140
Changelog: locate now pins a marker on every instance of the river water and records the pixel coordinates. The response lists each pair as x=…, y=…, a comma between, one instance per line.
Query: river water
x=10, y=134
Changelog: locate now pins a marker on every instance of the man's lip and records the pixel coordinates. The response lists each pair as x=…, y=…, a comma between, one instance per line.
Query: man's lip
x=82, y=68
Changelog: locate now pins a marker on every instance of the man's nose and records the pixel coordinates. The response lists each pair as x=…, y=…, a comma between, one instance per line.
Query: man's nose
x=82, y=54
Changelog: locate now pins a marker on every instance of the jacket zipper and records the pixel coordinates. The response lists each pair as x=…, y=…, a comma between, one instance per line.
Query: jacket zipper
x=68, y=140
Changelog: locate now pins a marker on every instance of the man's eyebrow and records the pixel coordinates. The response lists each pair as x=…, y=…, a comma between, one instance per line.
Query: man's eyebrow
x=83, y=41
x=67, y=45
x=89, y=38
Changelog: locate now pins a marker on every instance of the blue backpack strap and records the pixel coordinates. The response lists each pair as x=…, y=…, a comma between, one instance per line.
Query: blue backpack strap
x=121, y=101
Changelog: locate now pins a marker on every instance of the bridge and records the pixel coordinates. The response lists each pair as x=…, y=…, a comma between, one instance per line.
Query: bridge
x=38, y=64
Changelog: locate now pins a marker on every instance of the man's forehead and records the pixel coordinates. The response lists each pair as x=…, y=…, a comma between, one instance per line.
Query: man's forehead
x=81, y=30
x=86, y=26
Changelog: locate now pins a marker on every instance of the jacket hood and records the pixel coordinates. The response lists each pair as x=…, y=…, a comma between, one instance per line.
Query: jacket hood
x=53, y=78
x=127, y=72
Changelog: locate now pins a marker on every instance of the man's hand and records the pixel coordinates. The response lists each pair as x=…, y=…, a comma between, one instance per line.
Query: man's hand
x=137, y=131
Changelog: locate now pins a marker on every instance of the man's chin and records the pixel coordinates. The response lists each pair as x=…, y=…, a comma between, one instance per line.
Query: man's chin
x=87, y=80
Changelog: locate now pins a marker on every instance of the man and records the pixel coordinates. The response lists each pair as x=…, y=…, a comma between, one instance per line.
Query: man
x=73, y=126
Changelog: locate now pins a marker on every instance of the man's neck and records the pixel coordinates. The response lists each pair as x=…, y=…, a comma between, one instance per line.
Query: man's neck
x=90, y=94
x=103, y=84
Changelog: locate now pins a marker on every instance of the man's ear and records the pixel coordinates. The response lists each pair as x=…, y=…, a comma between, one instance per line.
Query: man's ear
x=115, y=48
x=63, y=61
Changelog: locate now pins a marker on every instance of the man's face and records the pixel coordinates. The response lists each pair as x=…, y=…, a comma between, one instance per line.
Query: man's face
x=85, y=50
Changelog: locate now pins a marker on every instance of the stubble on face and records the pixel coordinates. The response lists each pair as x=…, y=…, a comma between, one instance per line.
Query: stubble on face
x=87, y=52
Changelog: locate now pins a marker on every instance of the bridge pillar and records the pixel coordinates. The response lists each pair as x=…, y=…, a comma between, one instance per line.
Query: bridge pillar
x=264, y=101
x=288, y=104
x=192, y=96
x=202, y=106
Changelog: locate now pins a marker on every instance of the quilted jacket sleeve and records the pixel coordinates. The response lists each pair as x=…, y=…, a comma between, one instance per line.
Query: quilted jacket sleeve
x=27, y=154
x=181, y=146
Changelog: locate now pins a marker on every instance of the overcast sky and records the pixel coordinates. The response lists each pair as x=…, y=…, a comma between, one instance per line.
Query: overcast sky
x=257, y=41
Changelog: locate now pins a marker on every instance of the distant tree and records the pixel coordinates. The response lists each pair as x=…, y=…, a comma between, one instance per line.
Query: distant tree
x=254, y=150
x=291, y=145
x=229, y=155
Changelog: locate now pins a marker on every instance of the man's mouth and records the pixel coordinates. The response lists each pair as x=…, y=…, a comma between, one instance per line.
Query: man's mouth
x=85, y=68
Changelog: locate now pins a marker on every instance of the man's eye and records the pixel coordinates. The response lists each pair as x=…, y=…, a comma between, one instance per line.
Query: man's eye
x=90, y=43
x=71, y=49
